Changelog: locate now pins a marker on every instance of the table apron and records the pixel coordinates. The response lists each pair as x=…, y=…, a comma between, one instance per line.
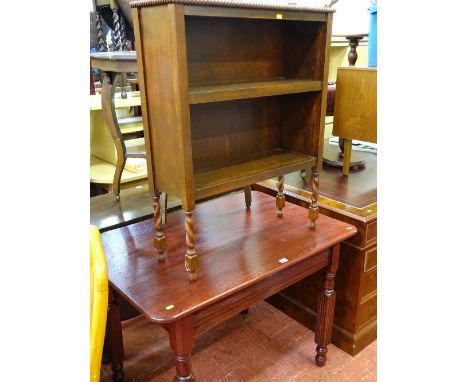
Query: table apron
x=230, y=306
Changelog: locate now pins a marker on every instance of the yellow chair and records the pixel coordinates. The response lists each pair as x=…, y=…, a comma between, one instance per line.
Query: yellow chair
x=98, y=299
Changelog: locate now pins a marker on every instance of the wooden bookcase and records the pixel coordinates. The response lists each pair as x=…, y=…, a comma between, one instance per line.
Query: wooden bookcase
x=232, y=94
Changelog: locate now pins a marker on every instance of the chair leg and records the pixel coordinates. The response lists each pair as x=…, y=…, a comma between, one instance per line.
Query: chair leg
x=121, y=160
x=347, y=144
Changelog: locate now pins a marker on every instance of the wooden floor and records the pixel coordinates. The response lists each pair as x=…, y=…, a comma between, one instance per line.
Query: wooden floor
x=264, y=345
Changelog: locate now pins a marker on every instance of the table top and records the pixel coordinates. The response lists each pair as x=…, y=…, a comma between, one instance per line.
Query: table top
x=133, y=99
x=236, y=247
x=118, y=62
x=135, y=205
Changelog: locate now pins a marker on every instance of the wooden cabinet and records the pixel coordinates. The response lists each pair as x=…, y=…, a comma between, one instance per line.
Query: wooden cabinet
x=232, y=94
x=353, y=201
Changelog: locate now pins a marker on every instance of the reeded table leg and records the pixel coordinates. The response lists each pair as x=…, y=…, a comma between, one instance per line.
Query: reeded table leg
x=313, y=209
x=325, y=309
x=280, y=196
x=159, y=238
x=114, y=339
x=181, y=337
x=191, y=258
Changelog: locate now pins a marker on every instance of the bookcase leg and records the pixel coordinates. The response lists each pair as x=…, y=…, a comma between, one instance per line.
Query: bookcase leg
x=326, y=308
x=313, y=209
x=159, y=238
x=280, y=196
x=248, y=196
x=191, y=258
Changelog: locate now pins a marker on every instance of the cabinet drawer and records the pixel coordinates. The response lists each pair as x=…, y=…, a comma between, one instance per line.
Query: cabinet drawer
x=368, y=284
x=367, y=311
x=371, y=231
x=370, y=259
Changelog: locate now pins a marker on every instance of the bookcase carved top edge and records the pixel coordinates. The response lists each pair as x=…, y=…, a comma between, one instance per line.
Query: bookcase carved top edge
x=234, y=4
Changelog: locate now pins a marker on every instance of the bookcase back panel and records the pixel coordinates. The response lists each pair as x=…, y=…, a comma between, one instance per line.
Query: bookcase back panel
x=228, y=132
x=224, y=50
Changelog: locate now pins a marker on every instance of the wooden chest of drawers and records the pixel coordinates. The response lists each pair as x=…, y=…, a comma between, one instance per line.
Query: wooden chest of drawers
x=355, y=323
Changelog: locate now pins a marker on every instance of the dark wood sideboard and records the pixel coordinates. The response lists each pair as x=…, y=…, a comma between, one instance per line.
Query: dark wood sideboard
x=352, y=200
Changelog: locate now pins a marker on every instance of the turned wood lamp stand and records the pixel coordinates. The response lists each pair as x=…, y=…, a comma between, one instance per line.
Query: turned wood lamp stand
x=352, y=58
x=232, y=94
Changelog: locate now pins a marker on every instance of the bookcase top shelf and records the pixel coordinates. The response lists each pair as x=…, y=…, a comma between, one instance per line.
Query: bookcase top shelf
x=252, y=169
x=249, y=4
x=250, y=89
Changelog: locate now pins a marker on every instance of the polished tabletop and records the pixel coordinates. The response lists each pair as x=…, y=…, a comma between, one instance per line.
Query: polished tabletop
x=237, y=247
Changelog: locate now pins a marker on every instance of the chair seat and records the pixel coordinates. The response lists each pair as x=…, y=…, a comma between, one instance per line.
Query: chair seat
x=135, y=147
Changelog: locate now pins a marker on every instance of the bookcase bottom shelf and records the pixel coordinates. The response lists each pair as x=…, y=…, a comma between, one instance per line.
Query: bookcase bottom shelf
x=252, y=170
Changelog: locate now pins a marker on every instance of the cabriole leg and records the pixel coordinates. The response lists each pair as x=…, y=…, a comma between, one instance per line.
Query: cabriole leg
x=326, y=308
x=313, y=209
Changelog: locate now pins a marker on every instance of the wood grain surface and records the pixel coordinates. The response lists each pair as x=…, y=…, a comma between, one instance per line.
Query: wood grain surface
x=235, y=248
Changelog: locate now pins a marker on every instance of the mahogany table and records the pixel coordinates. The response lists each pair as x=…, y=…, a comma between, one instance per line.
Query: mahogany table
x=247, y=255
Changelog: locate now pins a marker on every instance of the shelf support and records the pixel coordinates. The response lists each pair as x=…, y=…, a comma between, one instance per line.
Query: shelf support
x=191, y=258
x=313, y=209
x=159, y=238
x=280, y=196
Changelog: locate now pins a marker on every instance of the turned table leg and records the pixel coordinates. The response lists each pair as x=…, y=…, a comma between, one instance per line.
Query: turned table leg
x=114, y=338
x=248, y=196
x=191, y=258
x=159, y=238
x=313, y=209
x=182, y=340
x=280, y=196
x=326, y=308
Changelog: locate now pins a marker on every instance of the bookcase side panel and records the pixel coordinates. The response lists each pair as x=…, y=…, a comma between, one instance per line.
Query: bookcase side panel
x=303, y=54
x=300, y=122
x=162, y=53
x=325, y=39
